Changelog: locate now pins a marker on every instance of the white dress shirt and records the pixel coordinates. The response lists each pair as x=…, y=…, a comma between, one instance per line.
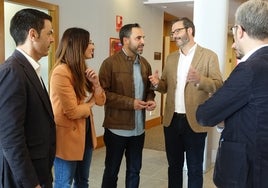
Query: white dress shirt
x=182, y=72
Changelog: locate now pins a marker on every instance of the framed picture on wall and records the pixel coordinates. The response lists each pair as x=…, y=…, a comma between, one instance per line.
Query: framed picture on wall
x=115, y=45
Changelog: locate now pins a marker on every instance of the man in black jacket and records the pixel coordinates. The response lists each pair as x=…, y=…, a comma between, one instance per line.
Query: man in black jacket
x=27, y=128
x=242, y=103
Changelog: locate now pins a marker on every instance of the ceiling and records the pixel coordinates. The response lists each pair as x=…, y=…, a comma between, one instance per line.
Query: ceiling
x=184, y=8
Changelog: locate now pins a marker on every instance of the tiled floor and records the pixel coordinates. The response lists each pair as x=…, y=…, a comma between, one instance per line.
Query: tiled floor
x=153, y=173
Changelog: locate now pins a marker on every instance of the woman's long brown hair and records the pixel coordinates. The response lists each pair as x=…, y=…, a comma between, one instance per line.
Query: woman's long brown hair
x=71, y=51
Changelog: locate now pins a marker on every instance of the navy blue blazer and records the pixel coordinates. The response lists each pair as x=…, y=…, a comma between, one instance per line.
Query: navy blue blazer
x=242, y=103
x=27, y=128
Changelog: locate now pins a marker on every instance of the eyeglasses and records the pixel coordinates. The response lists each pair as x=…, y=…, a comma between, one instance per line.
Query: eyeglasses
x=236, y=26
x=177, y=31
x=234, y=29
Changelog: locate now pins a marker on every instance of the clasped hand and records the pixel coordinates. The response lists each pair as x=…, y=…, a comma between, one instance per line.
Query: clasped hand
x=139, y=105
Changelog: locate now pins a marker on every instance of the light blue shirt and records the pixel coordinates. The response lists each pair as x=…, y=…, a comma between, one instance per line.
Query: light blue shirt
x=139, y=90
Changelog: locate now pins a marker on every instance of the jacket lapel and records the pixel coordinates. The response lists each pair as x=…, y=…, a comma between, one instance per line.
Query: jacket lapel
x=175, y=66
x=36, y=82
x=196, y=57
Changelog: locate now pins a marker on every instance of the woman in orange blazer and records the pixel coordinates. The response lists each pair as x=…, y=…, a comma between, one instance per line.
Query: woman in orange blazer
x=74, y=90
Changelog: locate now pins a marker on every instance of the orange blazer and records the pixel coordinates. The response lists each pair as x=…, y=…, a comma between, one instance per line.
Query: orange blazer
x=70, y=114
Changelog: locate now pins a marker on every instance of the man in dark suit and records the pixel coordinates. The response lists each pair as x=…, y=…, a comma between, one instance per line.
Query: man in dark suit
x=27, y=130
x=242, y=103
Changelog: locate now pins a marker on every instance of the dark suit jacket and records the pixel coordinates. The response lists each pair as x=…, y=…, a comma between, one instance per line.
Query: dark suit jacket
x=242, y=103
x=27, y=129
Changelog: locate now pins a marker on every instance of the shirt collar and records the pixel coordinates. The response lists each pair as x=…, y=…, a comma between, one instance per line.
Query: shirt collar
x=129, y=58
x=251, y=52
x=35, y=65
x=192, y=50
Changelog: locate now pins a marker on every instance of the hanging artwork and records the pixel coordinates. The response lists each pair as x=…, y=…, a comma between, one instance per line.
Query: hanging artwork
x=115, y=45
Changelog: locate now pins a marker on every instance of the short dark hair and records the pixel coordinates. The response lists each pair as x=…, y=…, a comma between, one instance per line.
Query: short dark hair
x=126, y=31
x=187, y=23
x=24, y=20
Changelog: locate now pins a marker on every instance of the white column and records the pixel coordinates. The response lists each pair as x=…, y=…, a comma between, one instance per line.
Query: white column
x=211, y=21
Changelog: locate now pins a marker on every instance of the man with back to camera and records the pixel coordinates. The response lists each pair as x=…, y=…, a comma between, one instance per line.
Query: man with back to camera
x=124, y=77
x=242, y=103
x=190, y=76
x=27, y=128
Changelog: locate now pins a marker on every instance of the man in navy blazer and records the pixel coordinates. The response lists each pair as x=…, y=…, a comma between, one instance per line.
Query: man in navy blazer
x=27, y=129
x=242, y=104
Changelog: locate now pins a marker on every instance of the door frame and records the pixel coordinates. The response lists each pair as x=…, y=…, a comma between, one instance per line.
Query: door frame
x=53, y=11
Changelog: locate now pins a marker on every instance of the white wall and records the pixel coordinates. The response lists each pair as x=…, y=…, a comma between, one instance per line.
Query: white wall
x=98, y=17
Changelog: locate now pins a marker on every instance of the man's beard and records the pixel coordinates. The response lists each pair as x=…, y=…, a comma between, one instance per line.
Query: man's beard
x=184, y=40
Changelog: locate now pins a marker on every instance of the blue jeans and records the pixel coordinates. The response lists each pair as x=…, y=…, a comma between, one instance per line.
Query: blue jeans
x=67, y=171
x=180, y=138
x=116, y=147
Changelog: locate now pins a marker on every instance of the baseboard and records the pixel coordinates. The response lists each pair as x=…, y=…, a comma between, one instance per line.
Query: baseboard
x=153, y=122
x=149, y=124
x=100, y=142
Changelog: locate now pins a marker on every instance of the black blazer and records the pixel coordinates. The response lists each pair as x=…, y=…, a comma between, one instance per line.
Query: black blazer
x=242, y=103
x=27, y=128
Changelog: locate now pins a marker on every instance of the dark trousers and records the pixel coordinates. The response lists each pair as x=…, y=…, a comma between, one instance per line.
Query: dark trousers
x=116, y=147
x=180, y=138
